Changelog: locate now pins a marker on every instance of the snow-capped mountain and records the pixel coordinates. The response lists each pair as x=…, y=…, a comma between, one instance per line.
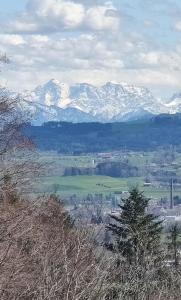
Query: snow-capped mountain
x=55, y=101
x=174, y=105
x=84, y=102
x=52, y=93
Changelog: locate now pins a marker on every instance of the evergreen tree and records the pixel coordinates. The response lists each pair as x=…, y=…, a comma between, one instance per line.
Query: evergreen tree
x=135, y=233
x=174, y=244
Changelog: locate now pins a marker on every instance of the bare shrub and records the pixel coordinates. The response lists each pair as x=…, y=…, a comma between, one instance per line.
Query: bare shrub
x=43, y=256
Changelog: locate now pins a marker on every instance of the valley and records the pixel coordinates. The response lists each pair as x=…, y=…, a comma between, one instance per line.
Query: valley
x=152, y=174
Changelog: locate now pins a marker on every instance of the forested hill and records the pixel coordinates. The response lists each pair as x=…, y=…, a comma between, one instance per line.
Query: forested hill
x=77, y=138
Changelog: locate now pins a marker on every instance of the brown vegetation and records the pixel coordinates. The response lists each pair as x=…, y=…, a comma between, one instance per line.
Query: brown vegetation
x=43, y=256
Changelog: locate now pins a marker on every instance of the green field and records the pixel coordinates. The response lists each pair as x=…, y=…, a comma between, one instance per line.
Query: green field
x=82, y=185
x=87, y=184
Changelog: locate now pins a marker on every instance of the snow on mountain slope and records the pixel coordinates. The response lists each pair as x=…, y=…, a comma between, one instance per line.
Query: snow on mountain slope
x=139, y=114
x=51, y=93
x=105, y=103
x=55, y=101
x=174, y=105
x=40, y=113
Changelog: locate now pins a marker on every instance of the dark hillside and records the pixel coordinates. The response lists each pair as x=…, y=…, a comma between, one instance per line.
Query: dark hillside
x=77, y=138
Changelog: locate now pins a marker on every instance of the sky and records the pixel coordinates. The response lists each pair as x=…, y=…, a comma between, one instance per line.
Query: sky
x=94, y=41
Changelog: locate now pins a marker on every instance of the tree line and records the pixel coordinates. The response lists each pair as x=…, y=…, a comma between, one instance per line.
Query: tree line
x=98, y=137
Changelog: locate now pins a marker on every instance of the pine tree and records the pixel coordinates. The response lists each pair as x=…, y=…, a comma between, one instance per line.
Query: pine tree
x=135, y=233
x=174, y=244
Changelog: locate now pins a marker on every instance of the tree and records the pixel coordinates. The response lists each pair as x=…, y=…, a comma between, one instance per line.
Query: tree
x=174, y=243
x=18, y=160
x=136, y=242
x=136, y=233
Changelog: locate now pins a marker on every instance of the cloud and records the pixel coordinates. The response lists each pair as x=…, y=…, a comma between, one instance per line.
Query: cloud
x=53, y=16
x=56, y=13
x=12, y=39
x=160, y=60
x=74, y=52
x=93, y=41
x=178, y=26
x=91, y=58
x=102, y=18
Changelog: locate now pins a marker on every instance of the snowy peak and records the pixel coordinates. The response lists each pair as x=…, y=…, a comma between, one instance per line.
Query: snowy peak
x=83, y=102
x=109, y=102
x=52, y=93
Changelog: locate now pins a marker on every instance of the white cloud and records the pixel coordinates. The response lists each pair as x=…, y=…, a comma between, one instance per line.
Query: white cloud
x=168, y=60
x=79, y=40
x=178, y=26
x=150, y=58
x=66, y=13
x=53, y=16
x=12, y=39
x=102, y=18
x=90, y=58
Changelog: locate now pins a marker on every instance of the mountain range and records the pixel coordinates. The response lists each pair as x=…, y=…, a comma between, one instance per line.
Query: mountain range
x=83, y=102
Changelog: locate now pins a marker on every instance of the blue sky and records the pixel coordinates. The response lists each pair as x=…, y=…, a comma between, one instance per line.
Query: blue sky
x=9, y=6
x=134, y=41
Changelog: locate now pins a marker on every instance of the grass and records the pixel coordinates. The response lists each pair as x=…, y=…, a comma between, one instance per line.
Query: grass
x=82, y=185
x=88, y=184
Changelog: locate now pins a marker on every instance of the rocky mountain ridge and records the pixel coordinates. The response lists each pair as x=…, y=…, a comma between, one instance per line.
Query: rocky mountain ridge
x=83, y=102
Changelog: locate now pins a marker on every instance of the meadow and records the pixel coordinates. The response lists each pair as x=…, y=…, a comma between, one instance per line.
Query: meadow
x=82, y=185
x=66, y=186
